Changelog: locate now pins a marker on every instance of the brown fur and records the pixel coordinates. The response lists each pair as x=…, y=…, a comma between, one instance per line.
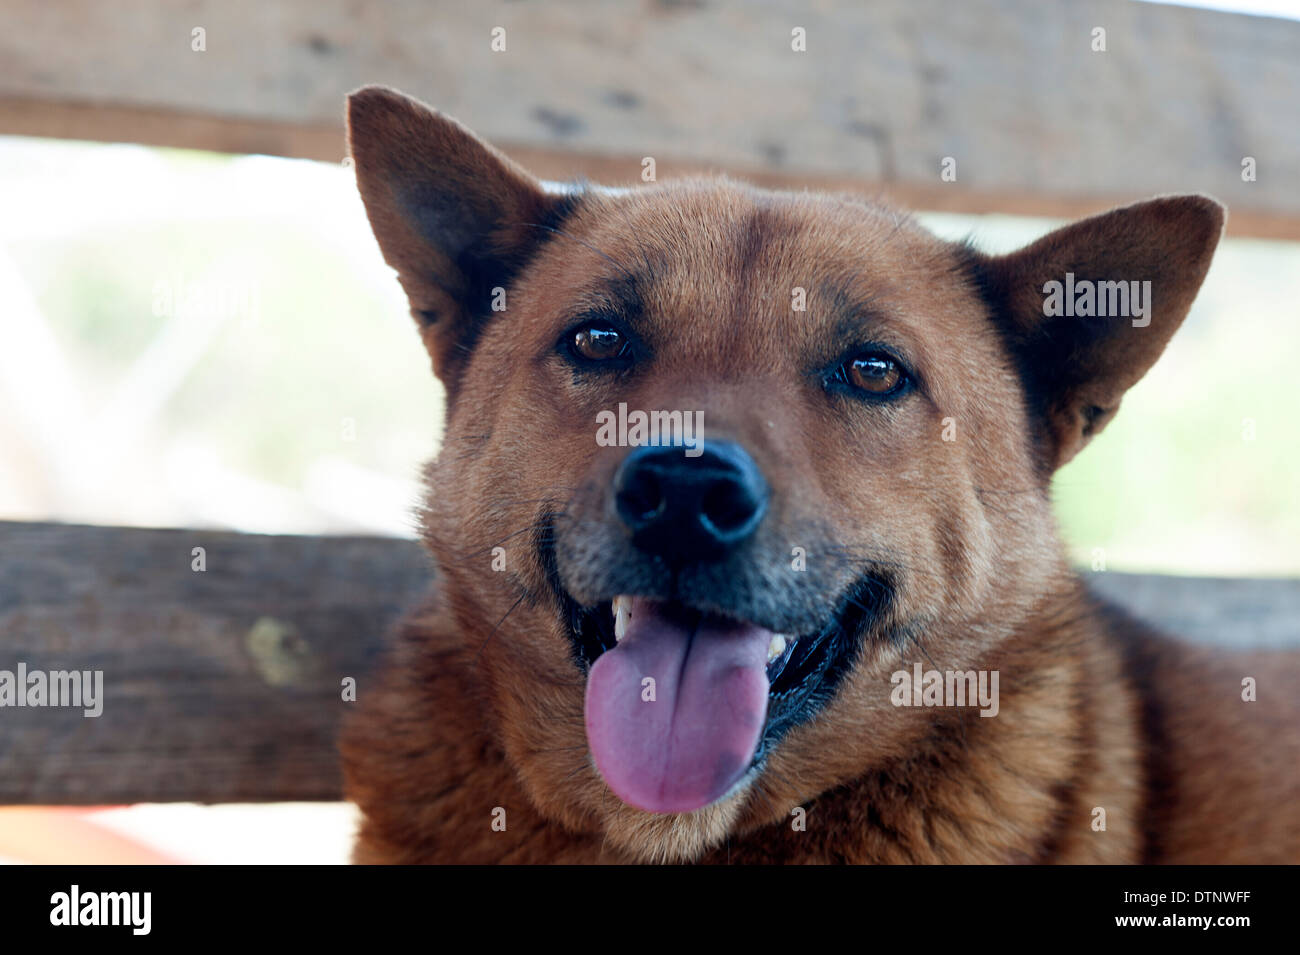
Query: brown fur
x=480, y=704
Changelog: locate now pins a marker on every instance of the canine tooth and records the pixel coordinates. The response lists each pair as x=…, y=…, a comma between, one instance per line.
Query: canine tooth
x=776, y=647
x=622, y=614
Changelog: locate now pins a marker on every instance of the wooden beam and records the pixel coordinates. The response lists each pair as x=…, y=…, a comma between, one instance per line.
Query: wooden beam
x=1037, y=121
x=326, y=143
x=219, y=686
x=224, y=685
x=1238, y=612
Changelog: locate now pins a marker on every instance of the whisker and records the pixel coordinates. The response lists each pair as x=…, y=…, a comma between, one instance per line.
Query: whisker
x=513, y=606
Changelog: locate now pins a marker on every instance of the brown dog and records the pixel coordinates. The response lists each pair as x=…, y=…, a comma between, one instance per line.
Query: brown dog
x=662, y=648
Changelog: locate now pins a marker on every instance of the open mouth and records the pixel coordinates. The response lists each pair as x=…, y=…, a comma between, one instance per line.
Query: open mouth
x=682, y=706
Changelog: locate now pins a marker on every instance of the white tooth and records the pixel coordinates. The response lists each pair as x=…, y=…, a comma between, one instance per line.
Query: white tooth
x=622, y=614
x=776, y=647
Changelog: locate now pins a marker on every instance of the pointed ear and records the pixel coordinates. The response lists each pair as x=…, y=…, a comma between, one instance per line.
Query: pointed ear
x=453, y=216
x=1087, y=309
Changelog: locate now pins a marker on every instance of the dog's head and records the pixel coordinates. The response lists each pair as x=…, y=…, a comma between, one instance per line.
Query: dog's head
x=716, y=457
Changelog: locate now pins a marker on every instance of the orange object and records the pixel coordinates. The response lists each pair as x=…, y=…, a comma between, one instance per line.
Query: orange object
x=57, y=835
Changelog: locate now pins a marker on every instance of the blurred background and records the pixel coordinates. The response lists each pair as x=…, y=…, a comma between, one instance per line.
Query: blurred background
x=208, y=337
x=200, y=340
x=218, y=330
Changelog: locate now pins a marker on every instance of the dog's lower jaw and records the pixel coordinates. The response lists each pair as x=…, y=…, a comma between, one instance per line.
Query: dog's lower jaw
x=581, y=803
x=429, y=758
x=673, y=838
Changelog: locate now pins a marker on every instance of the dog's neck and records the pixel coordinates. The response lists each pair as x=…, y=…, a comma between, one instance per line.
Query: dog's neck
x=974, y=790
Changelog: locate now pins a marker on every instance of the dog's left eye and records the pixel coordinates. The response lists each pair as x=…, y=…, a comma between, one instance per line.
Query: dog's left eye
x=597, y=342
x=874, y=373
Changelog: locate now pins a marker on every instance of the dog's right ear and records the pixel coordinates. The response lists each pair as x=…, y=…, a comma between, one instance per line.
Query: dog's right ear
x=453, y=216
x=1077, y=368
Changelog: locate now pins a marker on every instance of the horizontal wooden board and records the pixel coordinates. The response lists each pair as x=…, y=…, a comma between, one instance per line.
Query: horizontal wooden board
x=1037, y=121
x=219, y=686
x=224, y=685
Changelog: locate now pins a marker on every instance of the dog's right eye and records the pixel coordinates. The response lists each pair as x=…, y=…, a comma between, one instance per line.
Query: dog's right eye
x=597, y=342
x=872, y=374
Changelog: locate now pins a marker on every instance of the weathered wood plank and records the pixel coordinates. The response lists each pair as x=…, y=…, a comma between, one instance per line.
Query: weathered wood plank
x=1231, y=612
x=219, y=686
x=1012, y=90
x=224, y=685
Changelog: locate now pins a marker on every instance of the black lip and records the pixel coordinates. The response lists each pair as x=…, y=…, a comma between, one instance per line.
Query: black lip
x=812, y=671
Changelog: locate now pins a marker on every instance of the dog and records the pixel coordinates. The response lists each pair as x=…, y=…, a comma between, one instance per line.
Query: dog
x=678, y=644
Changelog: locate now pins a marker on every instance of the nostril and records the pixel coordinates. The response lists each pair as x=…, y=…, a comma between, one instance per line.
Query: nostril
x=729, y=506
x=640, y=500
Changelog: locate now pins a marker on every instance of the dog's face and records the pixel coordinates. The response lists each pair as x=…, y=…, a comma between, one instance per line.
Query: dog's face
x=686, y=633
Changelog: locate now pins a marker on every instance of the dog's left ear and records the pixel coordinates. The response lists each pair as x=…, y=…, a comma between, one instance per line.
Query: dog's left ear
x=453, y=216
x=1056, y=300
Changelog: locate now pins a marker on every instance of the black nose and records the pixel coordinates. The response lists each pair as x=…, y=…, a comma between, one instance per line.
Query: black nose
x=687, y=509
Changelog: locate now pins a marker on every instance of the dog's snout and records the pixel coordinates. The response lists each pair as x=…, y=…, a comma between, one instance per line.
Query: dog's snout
x=687, y=509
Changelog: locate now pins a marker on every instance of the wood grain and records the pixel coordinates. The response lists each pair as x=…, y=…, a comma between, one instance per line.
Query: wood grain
x=225, y=685
x=1037, y=121
x=219, y=686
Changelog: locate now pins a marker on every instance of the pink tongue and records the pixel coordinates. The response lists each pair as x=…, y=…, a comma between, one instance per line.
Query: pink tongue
x=688, y=745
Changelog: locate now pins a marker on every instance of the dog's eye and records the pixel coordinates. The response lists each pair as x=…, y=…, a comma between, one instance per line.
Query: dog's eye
x=874, y=373
x=597, y=343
